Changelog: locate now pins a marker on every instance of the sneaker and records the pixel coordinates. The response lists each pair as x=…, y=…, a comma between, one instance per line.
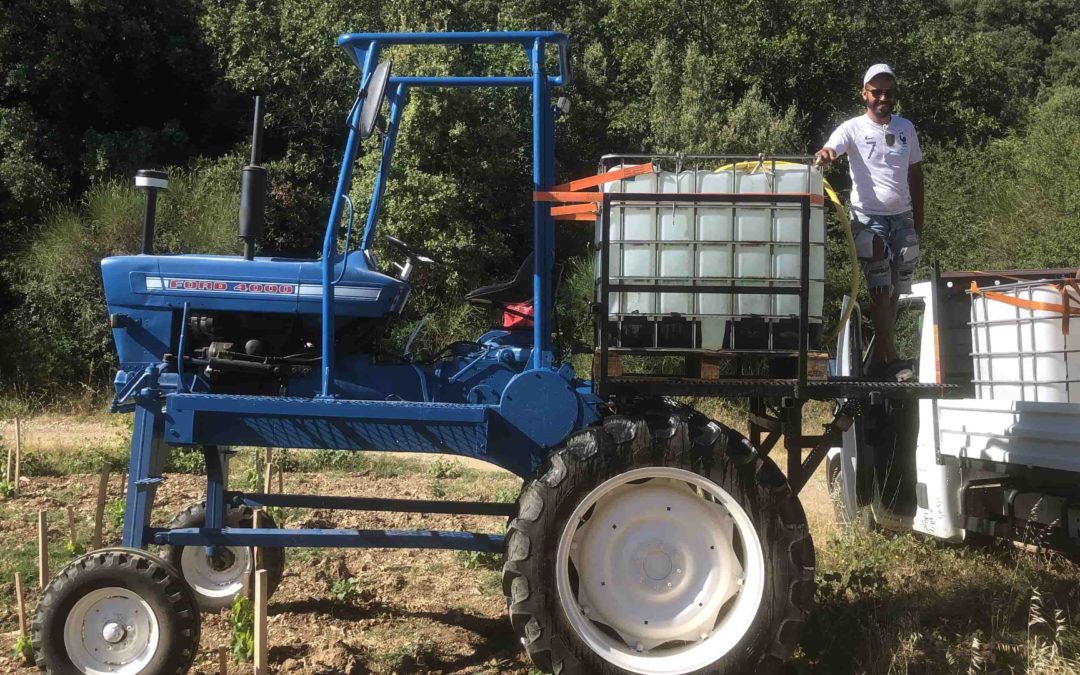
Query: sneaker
x=902, y=371
x=895, y=371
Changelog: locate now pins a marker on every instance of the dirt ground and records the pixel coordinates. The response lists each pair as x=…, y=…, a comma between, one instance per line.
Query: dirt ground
x=407, y=611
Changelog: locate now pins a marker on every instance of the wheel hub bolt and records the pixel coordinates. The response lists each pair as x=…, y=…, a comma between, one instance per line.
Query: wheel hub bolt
x=113, y=632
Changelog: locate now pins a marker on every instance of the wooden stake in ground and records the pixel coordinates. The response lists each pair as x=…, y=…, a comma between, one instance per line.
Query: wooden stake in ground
x=8, y=467
x=268, y=471
x=18, y=453
x=281, y=474
x=20, y=603
x=257, y=522
x=71, y=526
x=223, y=660
x=43, y=547
x=99, y=510
x=261, y=647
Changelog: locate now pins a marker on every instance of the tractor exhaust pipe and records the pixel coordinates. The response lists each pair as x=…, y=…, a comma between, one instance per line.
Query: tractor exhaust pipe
x=253, y=190
x=150, y=182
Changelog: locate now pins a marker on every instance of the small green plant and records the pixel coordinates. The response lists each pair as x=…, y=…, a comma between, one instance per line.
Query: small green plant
x=479, y=560
x=186, y=460
x=242, y=621
x=114, y=512
x=436, y=488
x=346, y=590
x=506, y=495
x=73, y=548
x=276, y=514
x=7, y=489
x=411, y=657
x=251, y=480
x=442, y=468
x=23, y=650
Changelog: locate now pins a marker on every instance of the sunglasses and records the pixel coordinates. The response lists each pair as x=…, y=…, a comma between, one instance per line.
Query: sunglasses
x=883, y=93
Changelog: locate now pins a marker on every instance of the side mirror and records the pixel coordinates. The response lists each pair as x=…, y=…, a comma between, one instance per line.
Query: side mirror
x=373, y=95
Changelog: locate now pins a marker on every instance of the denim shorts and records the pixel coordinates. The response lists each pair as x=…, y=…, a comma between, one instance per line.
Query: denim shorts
x=895, y=270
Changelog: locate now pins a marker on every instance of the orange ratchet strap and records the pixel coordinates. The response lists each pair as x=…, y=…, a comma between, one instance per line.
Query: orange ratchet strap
x=1066, y=309
x=577, y=205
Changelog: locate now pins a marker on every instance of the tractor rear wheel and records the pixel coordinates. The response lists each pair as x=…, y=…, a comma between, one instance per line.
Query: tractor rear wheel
x=217, y=579
x=116, y=610
x=660, y=543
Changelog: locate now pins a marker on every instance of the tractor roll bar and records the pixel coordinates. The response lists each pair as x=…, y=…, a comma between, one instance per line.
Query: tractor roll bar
x=363, y=50
x=359, y=43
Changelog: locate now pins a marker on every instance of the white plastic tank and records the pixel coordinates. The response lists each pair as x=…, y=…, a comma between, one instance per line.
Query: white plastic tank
x=1020, y=349
x=699, y=243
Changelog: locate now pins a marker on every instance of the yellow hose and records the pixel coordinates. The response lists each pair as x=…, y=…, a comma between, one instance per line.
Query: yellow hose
x=856, y=275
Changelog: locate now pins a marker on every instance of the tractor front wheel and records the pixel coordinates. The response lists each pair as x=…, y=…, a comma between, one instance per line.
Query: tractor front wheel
x=217, y=577
x=116, y=610
x=659, y=543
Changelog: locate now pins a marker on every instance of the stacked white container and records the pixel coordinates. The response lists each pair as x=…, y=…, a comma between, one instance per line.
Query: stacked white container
x=699, y=243
x=1021, y=351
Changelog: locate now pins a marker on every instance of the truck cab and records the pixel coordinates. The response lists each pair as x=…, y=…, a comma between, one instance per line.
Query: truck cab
x=1000, y=458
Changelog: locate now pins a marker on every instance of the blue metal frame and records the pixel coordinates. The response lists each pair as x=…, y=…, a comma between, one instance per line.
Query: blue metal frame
x=503, y=400
x=364, y=49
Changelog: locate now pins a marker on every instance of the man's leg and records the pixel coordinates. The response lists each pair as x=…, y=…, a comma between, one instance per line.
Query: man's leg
x=874, y=257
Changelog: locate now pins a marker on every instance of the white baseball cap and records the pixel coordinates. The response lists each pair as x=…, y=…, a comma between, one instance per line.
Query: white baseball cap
x=877, y=69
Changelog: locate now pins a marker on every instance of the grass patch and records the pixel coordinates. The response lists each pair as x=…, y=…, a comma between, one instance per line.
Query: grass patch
x=444, y=468
x=413, y=656
x=22, y=556
x=904, y=603
x=473, y=485
x=88, y=460
x=373, y=464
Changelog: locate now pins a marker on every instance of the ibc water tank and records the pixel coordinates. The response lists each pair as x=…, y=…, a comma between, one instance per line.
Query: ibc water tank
x=701, y=243
x=1021, y=352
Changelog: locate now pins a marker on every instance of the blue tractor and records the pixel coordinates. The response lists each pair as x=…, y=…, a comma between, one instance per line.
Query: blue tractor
x=647, y=538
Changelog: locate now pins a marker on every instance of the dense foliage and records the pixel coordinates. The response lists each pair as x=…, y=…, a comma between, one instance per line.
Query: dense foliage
x=94, y=89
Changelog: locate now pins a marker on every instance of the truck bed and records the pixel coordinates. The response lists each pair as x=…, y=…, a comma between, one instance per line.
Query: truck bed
x=1017, y=433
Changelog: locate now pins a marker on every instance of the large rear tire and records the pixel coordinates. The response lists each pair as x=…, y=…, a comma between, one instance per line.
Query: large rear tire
x=662, y=543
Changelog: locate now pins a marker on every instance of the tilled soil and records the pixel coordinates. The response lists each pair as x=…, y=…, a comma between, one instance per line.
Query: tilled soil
x=407, y=610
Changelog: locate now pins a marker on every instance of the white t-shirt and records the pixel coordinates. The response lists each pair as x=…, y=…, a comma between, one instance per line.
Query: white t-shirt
x=879, y=172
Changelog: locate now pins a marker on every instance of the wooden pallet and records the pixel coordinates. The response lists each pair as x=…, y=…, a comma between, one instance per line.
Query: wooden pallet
x=712, y=365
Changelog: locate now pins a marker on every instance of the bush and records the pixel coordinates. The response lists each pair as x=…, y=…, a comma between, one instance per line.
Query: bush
x=61, y=323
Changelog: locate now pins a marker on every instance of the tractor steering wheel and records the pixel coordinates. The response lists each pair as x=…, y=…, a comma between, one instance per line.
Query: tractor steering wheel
x=413, y=256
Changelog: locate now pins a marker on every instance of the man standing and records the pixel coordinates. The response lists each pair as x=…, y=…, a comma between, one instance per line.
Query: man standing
x=886, y=207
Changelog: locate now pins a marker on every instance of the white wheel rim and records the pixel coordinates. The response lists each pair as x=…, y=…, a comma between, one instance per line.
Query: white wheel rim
x=214, y=580
x=674, y=585
x=111, y=631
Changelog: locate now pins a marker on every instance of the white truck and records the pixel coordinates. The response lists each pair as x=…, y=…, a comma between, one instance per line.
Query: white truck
x=1001, y=458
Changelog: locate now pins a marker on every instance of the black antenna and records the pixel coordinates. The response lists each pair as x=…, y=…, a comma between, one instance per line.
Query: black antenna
x=253, y=189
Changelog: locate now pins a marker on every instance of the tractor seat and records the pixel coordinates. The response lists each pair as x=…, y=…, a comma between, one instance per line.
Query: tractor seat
x=517, y=290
